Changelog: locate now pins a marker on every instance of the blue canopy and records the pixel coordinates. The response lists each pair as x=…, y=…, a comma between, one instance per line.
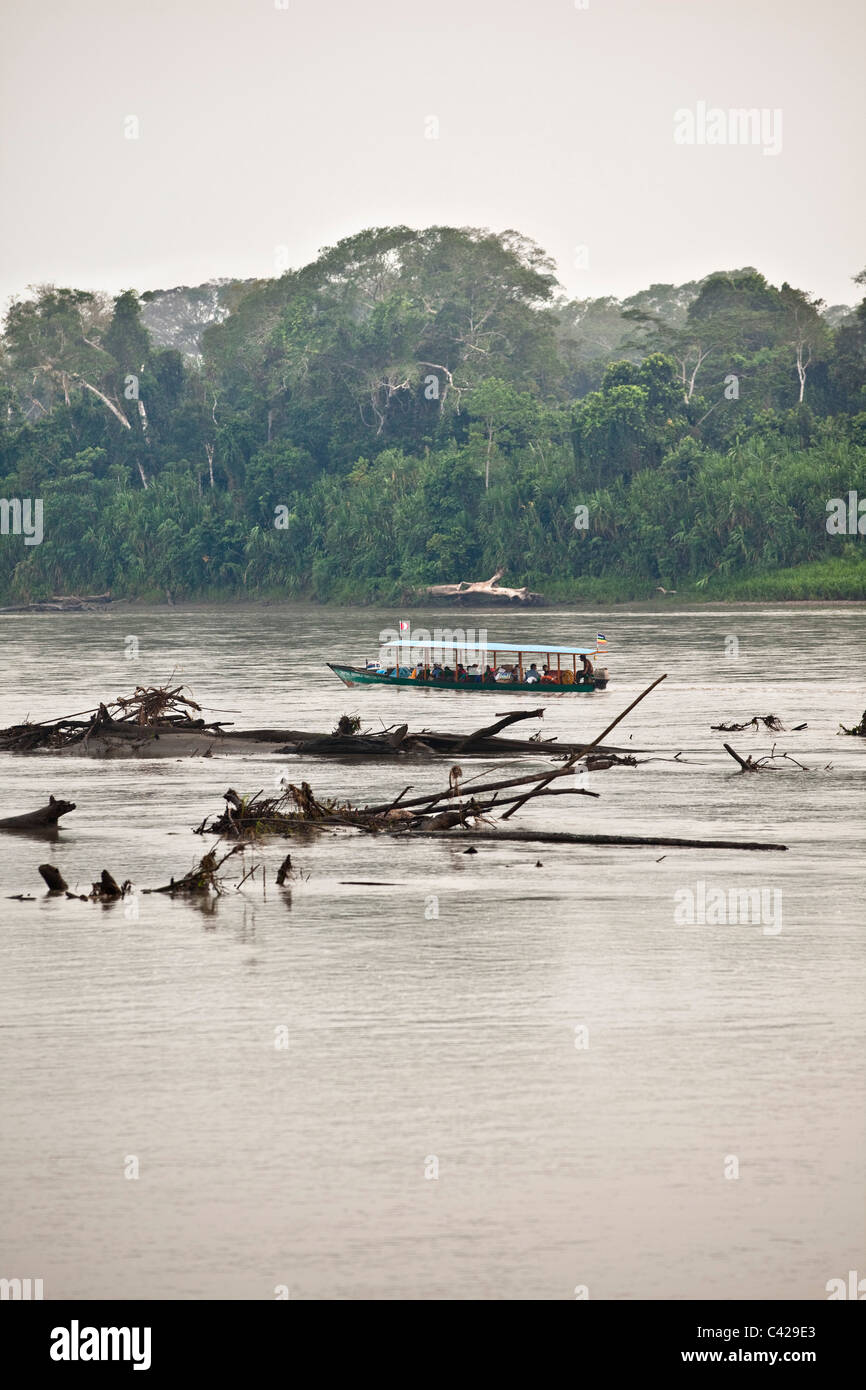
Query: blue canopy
x=490, y=646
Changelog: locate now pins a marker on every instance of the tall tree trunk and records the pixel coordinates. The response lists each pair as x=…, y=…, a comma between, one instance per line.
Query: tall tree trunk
x=802, y=365
x=118, y=414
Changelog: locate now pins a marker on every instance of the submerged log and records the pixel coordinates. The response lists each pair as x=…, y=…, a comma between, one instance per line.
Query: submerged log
x=764, y=764
x=561, y=837
x=482, y=743
x=44, y=818
x=746, y=764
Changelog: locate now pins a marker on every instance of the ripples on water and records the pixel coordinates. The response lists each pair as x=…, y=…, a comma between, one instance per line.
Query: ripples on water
x=413, y=1036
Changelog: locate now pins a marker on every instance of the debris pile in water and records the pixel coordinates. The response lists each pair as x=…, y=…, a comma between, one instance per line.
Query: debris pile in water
x=148, y=707
x=769, y=721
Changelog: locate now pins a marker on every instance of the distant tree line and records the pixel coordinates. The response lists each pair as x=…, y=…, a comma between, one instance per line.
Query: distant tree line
x=423, y=406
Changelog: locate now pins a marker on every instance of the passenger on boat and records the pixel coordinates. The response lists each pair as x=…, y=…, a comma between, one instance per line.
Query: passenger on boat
x=447, y=673
x=462, y=674
x=489, y=675
x=549, y=676
x=515, y=675
x=437, y=671
x=587, y=667
x=532, y=675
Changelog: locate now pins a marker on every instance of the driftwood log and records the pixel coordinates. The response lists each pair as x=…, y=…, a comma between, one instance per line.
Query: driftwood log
x=43, y=819
x=561, y=837
x=400, y=742
x=484, y=589
x=60, y=603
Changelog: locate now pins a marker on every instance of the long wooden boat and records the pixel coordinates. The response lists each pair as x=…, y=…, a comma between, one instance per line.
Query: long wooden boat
x=530, y=668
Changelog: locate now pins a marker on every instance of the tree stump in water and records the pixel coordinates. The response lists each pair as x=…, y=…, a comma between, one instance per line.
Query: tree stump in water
x=53, y=878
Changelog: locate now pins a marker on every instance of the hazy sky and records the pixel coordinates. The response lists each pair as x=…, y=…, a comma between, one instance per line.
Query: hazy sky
x=263, y=128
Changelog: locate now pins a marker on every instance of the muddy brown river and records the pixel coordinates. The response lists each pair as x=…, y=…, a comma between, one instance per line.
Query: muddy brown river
x=424, y=1074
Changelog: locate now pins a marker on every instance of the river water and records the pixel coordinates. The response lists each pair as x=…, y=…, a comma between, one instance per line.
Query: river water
x=422, y=1074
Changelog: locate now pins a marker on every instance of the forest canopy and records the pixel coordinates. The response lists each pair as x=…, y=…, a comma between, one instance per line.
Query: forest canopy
x=417, y=407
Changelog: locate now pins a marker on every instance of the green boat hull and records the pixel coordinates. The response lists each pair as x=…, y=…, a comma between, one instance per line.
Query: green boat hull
x=354, y=675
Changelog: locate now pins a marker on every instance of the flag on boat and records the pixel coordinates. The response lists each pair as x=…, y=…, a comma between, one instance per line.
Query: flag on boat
x=404, y=625
x=601, y=639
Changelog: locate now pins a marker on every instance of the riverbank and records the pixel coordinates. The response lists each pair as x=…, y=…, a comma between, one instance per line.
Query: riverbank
x=841, y=580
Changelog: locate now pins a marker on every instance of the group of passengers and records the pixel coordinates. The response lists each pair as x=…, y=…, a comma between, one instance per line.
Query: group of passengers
x=503, y=675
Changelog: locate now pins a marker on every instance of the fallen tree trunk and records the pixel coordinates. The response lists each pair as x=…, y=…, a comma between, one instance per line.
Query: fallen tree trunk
x=478, y=586
x=483, y=589
x=561, y=837
x=45, y=817
x=426, y=742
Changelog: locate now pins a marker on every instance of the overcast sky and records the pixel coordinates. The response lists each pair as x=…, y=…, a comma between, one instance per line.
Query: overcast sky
x=262, y=128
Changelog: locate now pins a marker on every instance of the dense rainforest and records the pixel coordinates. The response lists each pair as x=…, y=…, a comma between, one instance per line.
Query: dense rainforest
x=418, y=407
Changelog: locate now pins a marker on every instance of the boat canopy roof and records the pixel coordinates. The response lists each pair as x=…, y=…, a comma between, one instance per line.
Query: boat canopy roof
x=490, y=646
